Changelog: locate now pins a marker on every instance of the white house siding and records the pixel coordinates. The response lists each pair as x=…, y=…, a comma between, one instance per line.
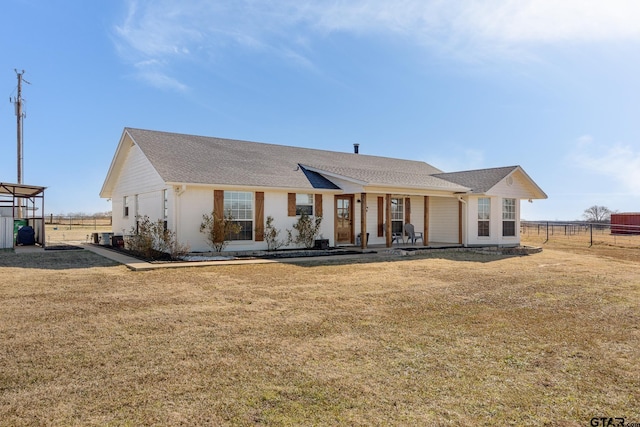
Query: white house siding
x=275, y=205
x=138, y=178
x=372, y=219
x=190, y=206
x=518, y=189
x=443, y=219
x=417, y=214
x=495, y=225
x=193, y=203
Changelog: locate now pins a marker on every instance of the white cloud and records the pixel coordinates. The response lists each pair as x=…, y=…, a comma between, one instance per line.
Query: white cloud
x=619, y=162
x=172, y=31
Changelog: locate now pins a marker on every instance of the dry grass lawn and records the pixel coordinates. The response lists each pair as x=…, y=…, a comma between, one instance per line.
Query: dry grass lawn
x=445, y=338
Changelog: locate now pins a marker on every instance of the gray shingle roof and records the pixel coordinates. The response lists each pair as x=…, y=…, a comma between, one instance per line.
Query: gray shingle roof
x=207, y=160
x=479, y=181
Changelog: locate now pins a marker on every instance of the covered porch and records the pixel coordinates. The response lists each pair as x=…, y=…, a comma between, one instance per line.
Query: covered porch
x=381, y=218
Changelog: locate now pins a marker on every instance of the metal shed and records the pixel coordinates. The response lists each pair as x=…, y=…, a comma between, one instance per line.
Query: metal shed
x=18, y=207
x=625, y=223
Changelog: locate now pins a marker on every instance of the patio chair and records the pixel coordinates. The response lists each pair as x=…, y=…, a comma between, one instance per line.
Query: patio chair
x=412, y=234
x=396, y=236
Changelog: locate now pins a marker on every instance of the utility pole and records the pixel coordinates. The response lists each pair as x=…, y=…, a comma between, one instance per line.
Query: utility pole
x=20, y=114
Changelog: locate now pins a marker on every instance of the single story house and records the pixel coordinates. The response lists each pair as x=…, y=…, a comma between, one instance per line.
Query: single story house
x=178, y=178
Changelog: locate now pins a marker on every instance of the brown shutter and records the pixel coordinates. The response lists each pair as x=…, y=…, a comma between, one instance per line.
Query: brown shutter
x=318, y=204
x=259, y=216
x=291, y=204
x=218, y=210
x=407, y=210
x=218, y=203
x=380, y=216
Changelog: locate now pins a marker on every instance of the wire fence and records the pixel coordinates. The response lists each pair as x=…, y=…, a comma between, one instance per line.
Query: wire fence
x=69, y=222
x=581, y=232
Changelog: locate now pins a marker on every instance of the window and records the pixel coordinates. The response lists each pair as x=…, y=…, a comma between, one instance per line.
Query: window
x=484, y=216
x=397, y=215
x=508, y=217
x=240, y=205
x=125, y=203
x=304, y=204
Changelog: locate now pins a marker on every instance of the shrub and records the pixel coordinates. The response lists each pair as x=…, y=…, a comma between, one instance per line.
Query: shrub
x=308, y=229
x=218, y=230
x=271, y=234
x=151, y=240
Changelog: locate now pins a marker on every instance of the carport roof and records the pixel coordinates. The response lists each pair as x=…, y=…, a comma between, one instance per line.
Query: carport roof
x=20, y=190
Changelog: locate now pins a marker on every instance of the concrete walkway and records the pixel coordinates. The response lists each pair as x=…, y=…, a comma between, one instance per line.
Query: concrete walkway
x=139, y=265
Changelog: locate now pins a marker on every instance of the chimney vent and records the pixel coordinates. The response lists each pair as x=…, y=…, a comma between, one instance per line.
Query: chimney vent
x=355, y=148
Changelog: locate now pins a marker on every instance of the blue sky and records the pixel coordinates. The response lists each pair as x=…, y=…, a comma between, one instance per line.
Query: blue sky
x=551, y=86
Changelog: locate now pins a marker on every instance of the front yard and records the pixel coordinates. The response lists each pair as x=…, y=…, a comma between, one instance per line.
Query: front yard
x=443, y=338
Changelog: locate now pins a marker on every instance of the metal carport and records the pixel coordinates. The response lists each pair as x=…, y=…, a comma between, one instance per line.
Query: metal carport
x=19, y=201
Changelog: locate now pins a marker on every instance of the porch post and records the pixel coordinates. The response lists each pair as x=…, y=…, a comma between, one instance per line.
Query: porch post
x=363, y=221
x=387, y=219
x=425, y=235
x=459, y=222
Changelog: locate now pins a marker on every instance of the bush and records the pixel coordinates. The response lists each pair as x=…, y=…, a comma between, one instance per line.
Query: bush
x=151, y=240
x=218, y=230
x=271, y=234
x=307, y=229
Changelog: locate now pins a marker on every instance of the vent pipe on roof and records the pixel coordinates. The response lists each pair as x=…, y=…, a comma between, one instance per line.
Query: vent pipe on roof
x=355, y=148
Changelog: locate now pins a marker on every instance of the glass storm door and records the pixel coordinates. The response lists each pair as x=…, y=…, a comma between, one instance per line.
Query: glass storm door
x=344, y=219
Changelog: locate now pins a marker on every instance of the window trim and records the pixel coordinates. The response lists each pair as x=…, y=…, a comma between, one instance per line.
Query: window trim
x=484, y=217
x=125, y=206
x=509, y=212
x=300, y=204
x=245, y=220
x=397, y=214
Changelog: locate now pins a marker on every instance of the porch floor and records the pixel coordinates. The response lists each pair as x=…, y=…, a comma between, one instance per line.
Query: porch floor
x=403, y=246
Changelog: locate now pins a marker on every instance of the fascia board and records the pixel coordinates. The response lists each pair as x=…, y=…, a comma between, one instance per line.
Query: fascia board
x=116, y=164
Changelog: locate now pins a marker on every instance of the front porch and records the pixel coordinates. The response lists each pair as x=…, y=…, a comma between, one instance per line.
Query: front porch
x=382, y=217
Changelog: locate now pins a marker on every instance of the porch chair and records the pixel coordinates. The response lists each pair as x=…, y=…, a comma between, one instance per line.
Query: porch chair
x=412, y=234
x=396, y=236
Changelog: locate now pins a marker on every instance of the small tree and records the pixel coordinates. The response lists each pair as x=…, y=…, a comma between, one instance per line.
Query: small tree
x=152, y=240
x=597, y=214
x=218, y=230
x=271, y=234
x=307, y=229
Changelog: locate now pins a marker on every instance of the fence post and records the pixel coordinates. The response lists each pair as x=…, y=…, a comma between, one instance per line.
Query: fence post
x=547, y=232
x=591, y=234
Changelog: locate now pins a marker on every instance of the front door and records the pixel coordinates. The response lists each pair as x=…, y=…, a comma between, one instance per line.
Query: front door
x=344, y=219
